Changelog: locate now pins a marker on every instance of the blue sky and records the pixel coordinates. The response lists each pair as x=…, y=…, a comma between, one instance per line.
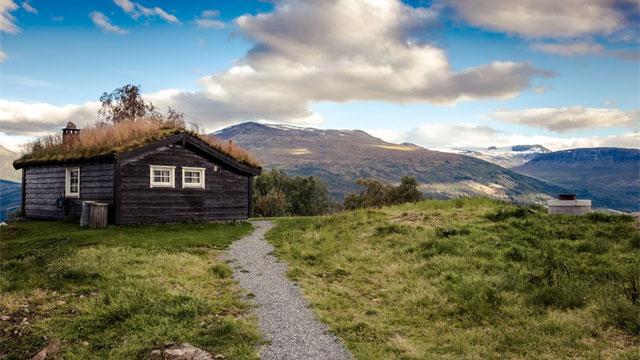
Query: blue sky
x=441, y=74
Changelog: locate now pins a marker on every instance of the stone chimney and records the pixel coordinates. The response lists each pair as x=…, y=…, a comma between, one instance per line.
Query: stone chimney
x=69, y=134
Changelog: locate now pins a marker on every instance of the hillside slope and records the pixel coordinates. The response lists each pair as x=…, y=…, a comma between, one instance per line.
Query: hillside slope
x=7, y=172
x=469, y=279
x=608, y=176
x=339, y=157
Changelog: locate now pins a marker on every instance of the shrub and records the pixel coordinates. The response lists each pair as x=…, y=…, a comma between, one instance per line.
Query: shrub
x=384, y=230
x=376, y=194
x=276, y=194
x=221, y=271
x=445, y=232
x=271, y=204
x=622, y=313
x=507, y=212
x=475, y=300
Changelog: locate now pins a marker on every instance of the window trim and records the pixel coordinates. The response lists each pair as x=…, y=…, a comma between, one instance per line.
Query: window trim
x=202, y=172
x=67, y=183
x=172, y=176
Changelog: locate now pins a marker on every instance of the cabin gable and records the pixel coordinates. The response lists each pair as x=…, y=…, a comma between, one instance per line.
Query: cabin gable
x=225, y=195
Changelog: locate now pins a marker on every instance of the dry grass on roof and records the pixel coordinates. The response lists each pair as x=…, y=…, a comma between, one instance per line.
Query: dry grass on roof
x=101, y=140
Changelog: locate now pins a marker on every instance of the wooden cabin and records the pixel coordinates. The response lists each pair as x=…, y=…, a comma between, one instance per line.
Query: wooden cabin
x=174, y=178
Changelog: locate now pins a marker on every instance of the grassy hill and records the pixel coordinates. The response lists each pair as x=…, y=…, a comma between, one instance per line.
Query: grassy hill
x=339, y=157
x=119, y=293
x=470, y=279
x=608, y=176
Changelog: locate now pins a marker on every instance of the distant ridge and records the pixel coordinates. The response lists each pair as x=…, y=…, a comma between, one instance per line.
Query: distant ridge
x=339, y=157
x=609, y=176
x=507, y=156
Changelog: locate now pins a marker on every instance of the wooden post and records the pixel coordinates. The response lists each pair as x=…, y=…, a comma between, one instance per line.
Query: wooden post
x=99, y=215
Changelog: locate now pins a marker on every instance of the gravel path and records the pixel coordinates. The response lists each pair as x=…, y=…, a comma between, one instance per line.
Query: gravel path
x=285, y=318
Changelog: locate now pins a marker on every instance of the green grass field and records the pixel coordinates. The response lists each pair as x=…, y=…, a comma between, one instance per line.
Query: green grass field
x=121, y=292
x=472, y=278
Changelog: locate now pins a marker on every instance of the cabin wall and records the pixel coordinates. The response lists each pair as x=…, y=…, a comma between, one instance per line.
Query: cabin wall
x=225, y=196
x=43, y=185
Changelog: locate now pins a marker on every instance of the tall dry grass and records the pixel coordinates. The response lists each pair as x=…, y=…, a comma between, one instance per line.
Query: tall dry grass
x=101, y=139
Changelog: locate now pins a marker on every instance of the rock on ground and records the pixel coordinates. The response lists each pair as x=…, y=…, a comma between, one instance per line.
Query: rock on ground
x=183, y=351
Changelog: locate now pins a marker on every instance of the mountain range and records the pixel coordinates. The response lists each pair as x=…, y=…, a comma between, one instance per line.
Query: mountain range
x=508, y=157
x=610, y=177
x=340, y=157
x=529, y=173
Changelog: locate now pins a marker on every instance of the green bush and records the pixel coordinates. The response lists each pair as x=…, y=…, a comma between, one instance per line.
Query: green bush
x=276, y=194
x=508, y=212
x=376, y=194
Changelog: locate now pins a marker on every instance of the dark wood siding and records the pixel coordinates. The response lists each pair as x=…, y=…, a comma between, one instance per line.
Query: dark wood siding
x=43, y=185
x=225, y=196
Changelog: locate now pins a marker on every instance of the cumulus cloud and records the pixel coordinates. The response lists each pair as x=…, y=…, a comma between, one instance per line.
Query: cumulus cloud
x=549, y=18
x=28, y=8
x=569, y=49
x=207, y=20
x=21, y=118
x=309, y=51
x=3, y=56
x=8, y=21
x=103, y=22
x=447, y=136
x=565, y=119
x=136, y=10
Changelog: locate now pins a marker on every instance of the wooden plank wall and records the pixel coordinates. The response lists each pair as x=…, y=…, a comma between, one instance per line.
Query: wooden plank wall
x=45, y=184
x=225, y=196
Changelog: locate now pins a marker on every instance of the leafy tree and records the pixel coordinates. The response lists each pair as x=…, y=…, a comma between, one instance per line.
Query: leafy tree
x=303, y=196
x=377, y=194
x=126, y=104
x=271, y=204
x=406, y=192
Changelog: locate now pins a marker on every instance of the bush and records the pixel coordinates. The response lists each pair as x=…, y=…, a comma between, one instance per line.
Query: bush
x=376, y=194
x=276, y=194
x=508, y=212
x=622, y=313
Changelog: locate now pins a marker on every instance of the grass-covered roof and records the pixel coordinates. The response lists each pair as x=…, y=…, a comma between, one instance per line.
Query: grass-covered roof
x=107, y=140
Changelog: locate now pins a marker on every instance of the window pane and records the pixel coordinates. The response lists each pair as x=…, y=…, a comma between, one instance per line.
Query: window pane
x=192, y=177
x=161, y=176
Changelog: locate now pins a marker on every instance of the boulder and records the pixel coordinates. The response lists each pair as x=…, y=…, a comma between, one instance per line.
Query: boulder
x=184, y=351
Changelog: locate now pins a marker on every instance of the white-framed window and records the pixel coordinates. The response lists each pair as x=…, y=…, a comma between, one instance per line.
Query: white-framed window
x=72, y=183
x=193, y=177
x=162, y=176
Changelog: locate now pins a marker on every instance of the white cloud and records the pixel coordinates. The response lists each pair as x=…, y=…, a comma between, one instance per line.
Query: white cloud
x=8, y=21
x=103, y=22
x=309, y=51
x=209, y=23
x=446, y=136
x=570, y=118
x=28, y=8
x=21, y=118
x=549, y=18
x=135, y=10
x=210, y=13
x=3, y=56
x=207, y=20
x=569, y=49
